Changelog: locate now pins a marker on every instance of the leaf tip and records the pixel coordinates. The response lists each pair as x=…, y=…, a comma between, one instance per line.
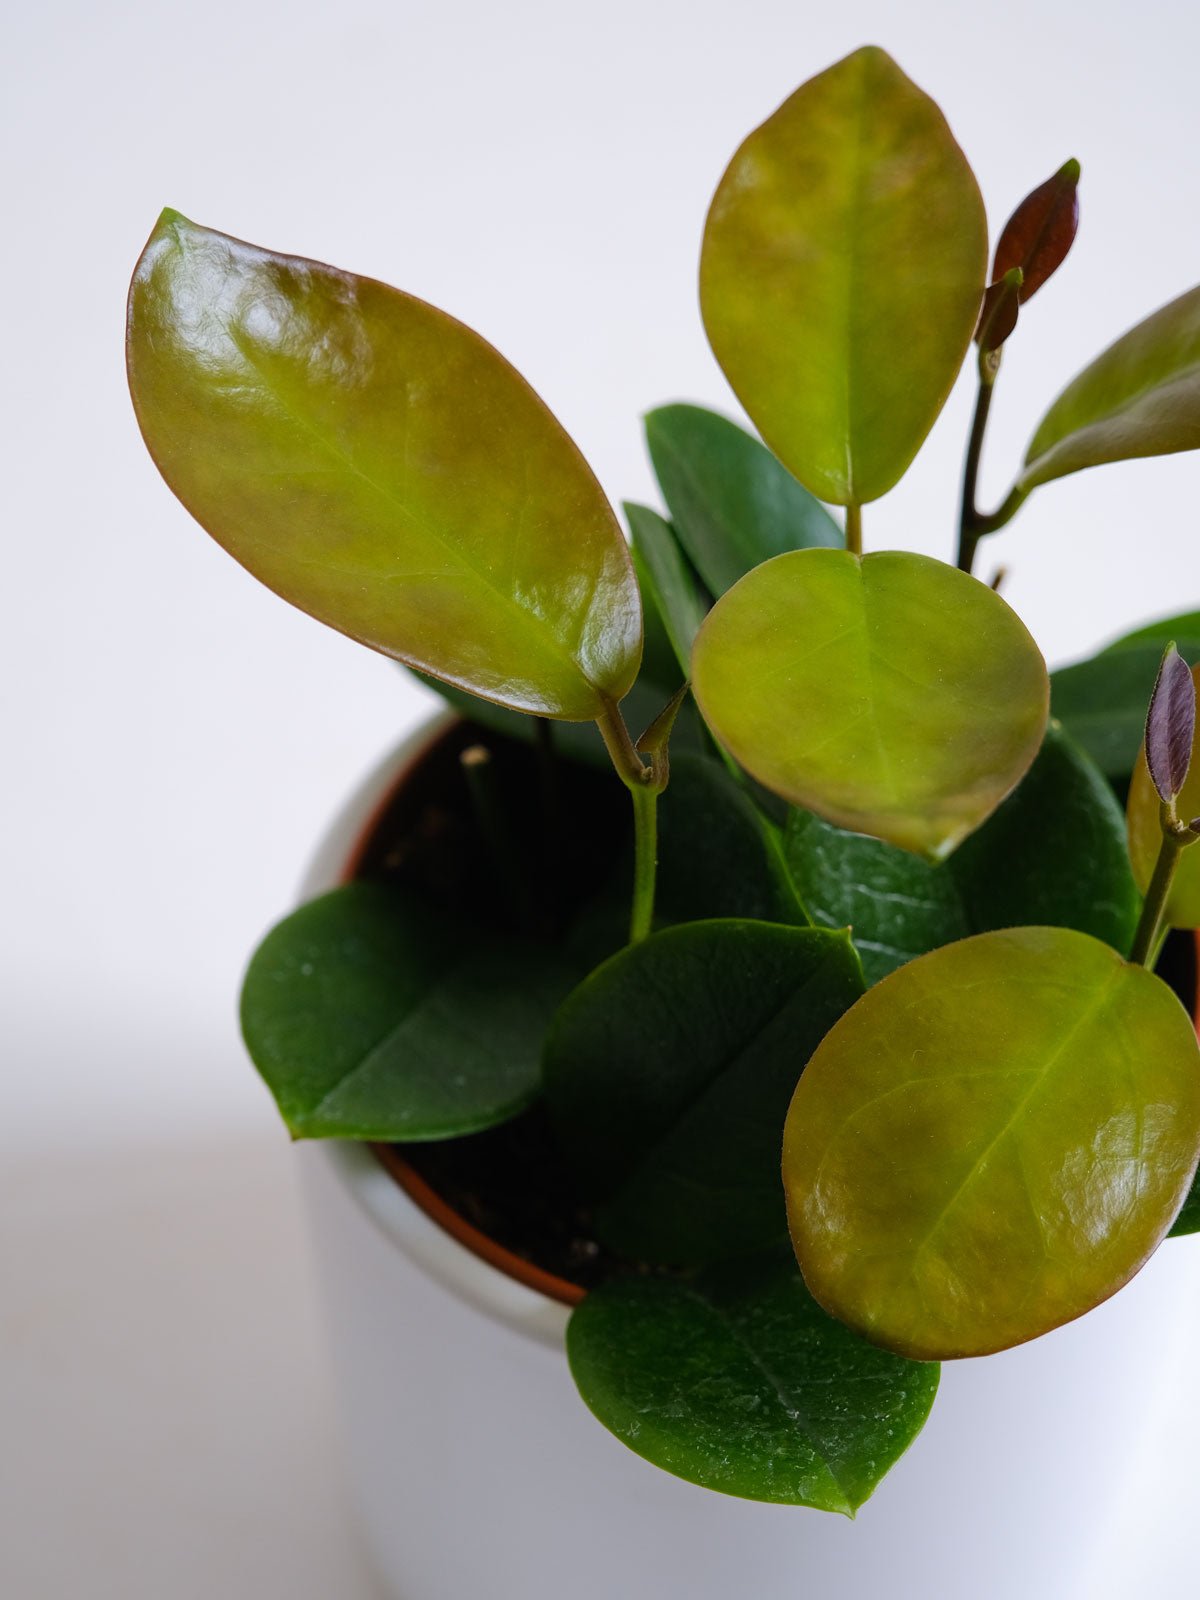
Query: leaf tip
x=1069, y=171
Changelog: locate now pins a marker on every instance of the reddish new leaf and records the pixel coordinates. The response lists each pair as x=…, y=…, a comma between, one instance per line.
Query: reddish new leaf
x=1171, y=725
x=1041, y=230
x=998, y=314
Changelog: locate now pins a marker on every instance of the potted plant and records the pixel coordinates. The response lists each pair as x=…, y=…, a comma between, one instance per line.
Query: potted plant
x=886, y=915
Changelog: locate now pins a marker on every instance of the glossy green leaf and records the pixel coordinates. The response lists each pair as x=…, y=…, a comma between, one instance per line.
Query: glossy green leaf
x=660, y=661
x=383, y=468
x=675, y=590
x=1186, y=625
x=372, y=1016
x=668, y=1073
x=843, y=268
x=1140, y=398
x=1053, y=853
x=733, y=503
x=738, y=1381
x=890, y=694
x=991, y=1142
x=718, y=856
x=1145, y=837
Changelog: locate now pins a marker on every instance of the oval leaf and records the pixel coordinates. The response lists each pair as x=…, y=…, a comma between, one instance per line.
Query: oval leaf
x=668, y=1073
x=1054, y=853
x=383, y=468
x=890, y=693
x=844, y=261
x=1171, y=725
x=733, y=504
x=991, y=1142
x=371, y=1016
x=1142, y=816
x=738, y=1381
x=1041, y=231
x=1140, y=398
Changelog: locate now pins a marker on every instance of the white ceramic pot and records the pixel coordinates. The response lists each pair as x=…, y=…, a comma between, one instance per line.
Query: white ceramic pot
x=1063, y=1470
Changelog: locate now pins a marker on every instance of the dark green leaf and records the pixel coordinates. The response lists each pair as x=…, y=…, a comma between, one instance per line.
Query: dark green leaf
x=734, y=505
x=668, y=1073
x=1184, y=626
x=1054, y=853
x=370, y=1016
x=667, y=575
x=737, y=1380
x=1188, y=1220
x=718, y=856
x=1102, y=702
x=660, y=662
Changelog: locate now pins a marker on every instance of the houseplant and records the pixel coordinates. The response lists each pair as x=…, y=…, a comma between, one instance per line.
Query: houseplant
x=875, y=850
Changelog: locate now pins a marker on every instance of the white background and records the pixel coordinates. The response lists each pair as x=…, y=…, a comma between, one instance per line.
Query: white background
x=174, y=738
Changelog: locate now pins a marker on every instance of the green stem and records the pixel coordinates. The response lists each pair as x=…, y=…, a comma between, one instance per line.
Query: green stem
x=968, y=530
x=645, y=860
x=1147, y=939
x=638, y=778
x=854, y=529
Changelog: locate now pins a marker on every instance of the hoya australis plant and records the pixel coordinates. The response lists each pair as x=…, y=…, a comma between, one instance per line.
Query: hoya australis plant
x=887, y=917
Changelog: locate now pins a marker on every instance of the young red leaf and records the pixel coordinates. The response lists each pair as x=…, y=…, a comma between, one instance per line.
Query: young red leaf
x=998, y=314
x=1041, y=230
x=1171, y=725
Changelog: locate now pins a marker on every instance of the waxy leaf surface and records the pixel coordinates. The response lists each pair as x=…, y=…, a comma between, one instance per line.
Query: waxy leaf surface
x=738, y=1381
x=991, y=1142
x=1054, y=853
x=382, y=467
x=370, y=1016
x=844, y=261
x=668, y=1073
x=733, y=504
x=890, y=694
x=1140, y=398
x=1145, y=838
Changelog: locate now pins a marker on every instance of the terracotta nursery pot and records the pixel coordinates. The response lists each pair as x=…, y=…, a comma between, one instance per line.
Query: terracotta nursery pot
x=1060, y=1470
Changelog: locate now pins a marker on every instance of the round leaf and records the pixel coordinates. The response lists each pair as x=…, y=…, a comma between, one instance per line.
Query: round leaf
x=737, y=1381
x=1145, y=837
x=371, y=1016
x=991, y=1142
x=1140, y=398
x=844, y=263
x=383, y=468
x=668, y=1074
x=889, y=693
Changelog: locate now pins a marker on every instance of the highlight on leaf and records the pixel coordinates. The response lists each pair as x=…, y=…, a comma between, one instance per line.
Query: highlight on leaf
x=382, y=467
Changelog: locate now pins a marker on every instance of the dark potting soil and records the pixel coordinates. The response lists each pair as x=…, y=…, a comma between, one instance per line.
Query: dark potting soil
x=564, y=828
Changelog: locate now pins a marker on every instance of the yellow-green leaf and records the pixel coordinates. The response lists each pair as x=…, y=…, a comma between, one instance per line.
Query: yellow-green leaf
x=844, y=264
x=379, y=465
x=889, y=693
x=1140, y=398
x=991, y=1141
